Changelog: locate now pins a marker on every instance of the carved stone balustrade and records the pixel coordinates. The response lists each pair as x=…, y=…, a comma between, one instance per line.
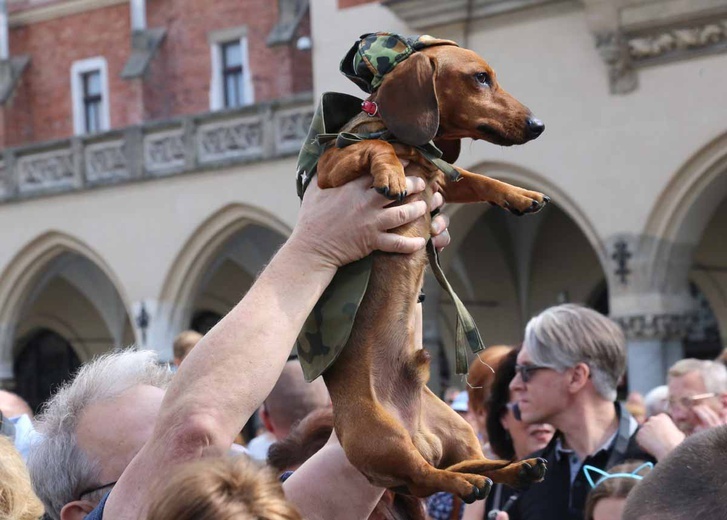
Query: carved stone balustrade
x=259, y=132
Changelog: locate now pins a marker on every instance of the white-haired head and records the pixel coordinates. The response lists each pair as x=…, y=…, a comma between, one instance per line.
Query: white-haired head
x=59, y=469
x=713, y=373
x=657, y=401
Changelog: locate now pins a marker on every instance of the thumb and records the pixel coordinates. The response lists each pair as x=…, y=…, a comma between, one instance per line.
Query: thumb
x=502, y=515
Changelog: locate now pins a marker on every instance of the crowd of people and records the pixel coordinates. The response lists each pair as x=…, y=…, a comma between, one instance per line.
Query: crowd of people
x=128, y=438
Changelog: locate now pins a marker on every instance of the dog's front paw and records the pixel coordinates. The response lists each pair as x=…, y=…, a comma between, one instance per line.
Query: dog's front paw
x=480, y=490
x=531, y=471
x=519, y=201
x=390, y=182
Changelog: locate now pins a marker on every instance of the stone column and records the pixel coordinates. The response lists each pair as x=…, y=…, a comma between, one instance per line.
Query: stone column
x=654, y=343
x=7, y=375
x=153, y=328
x=649, y=297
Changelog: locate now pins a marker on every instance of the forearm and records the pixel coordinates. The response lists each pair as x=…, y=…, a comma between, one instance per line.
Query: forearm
x=328, y=487
x=236, y=364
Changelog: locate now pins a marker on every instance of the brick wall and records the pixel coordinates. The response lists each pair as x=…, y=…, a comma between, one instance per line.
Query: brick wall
x=178, y=79
x=53, y=47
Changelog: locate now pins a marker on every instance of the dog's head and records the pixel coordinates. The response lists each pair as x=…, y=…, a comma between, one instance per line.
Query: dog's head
x=443, y=92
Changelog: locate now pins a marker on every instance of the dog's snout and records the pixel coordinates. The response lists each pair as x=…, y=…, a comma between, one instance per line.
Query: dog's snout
x=535, y=127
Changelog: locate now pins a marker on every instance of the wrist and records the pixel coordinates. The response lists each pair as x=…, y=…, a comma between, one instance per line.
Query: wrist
x=307, y=253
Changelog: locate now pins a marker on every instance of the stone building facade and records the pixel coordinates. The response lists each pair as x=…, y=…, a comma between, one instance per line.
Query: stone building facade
x=157, y=215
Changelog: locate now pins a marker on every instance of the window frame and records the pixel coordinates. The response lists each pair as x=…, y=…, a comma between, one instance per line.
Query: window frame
x=218, y=40
x=79, y=71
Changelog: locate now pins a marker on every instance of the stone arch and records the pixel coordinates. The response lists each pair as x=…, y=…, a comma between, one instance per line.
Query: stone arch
x=197, y=257
x=529, y=179
x=687, y=202
x=493, y=261
x=50, y=262
x=682, y=219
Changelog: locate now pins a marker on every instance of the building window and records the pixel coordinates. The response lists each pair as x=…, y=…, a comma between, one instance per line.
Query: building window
x=231, y=82
x=90, y=96
x=92, y=100
x=232, y=73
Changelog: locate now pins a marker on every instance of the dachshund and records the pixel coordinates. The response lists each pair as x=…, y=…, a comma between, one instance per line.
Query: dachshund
x=397, y=432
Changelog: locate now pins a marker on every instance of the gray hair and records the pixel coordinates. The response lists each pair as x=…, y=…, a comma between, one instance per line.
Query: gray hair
x=563, y=336
x=657, y=400
x=714, y=374
x=59, y=469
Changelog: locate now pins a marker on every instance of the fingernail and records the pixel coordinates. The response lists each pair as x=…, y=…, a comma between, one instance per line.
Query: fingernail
x=435, y=227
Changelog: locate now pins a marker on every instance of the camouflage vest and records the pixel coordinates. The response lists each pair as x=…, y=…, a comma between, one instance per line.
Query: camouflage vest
x=328, y=328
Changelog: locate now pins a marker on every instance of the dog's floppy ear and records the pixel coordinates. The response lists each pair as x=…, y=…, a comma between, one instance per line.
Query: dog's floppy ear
x=450, y=149
x=408, y=102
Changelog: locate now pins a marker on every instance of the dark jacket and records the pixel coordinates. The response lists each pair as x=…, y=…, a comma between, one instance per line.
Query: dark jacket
x=554, y=498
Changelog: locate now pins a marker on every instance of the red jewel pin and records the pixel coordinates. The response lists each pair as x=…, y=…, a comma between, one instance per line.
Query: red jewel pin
x=370, y=108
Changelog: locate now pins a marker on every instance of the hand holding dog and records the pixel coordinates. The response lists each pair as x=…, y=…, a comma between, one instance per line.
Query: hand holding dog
x=341, y=225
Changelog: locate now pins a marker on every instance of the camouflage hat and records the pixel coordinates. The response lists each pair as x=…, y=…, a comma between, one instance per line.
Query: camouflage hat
x=376, y=54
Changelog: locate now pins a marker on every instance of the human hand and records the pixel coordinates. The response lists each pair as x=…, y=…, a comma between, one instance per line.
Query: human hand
x=341, y=225
x=502, y=515
x=440, y=223
x=708, y=417
x=659, y=435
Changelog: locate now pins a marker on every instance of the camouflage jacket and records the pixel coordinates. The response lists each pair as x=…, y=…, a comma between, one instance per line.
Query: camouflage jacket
x=328, y=328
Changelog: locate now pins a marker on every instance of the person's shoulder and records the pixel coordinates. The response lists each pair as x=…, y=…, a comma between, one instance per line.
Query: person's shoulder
x=97, y=513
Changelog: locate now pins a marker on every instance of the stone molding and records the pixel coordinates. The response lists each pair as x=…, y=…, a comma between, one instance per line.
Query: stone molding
x=421, y=14
x=10, y=72
x=679, y=43
x=639, y=34
x=144, y=46
x=290, y=15
x=42, y=13
x=260, y=132
x=656, y=327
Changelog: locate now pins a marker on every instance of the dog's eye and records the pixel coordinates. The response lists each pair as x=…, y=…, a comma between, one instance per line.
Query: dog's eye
x=483, y=78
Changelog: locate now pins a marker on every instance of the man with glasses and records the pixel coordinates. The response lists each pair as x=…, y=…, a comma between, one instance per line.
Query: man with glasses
x=570, y=364
x=697, y=402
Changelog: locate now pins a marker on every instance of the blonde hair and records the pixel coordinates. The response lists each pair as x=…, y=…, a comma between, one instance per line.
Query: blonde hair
x=17, y=500
x=184, y=343
x=222, y=489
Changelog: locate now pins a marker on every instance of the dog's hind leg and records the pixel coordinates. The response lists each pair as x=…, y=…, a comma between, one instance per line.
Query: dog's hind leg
x=461, y=451
x=384, y=452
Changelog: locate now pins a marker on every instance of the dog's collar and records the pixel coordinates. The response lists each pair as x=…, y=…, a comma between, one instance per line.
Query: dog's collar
x=332, y=113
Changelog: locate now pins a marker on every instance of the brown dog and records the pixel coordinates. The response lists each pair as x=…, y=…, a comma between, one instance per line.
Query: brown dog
x=391, y=426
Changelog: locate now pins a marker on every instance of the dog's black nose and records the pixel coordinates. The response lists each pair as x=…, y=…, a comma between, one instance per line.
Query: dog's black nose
x=535, y=127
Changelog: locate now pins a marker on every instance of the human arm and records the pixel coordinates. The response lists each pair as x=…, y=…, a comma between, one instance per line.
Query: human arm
x=659, y=436
x=234, y=367
x=474, y=511
x=327, y=486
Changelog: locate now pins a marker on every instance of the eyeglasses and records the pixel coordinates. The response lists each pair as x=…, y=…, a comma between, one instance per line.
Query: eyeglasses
x=587, y=469
x=526, y=371
x=91, y=490
x=686, y=403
